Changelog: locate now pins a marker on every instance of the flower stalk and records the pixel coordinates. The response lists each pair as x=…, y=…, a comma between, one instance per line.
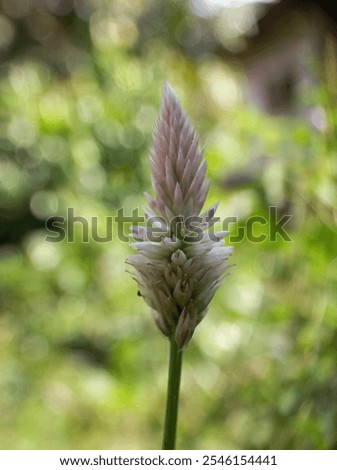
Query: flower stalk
x=172, y=401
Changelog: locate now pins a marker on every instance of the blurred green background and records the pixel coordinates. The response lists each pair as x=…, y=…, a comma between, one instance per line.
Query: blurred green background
x=82, y=365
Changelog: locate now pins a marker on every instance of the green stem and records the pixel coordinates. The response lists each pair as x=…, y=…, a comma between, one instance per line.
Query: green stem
x=172, y=401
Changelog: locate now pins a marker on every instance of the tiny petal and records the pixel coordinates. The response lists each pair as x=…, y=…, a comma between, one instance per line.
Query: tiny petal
x=187, y=323
x=182, y=292
x=178, y=258
x=172, y=275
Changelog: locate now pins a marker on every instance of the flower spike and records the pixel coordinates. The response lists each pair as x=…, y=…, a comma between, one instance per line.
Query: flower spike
x=179, y=271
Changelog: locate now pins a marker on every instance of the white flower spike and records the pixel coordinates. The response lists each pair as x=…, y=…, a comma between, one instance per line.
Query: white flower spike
x=179, y=272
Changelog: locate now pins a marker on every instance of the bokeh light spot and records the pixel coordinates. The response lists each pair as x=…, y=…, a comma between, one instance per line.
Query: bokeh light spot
x=85, y=153
x=43, y=204
x=90, y=108
x=55, y=110
x=21, y=132
x=43, y=255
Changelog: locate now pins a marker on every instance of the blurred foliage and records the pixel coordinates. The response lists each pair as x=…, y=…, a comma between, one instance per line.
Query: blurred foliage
x=82, y=364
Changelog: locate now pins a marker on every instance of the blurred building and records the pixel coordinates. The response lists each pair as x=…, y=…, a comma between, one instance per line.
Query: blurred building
x=287, y=55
